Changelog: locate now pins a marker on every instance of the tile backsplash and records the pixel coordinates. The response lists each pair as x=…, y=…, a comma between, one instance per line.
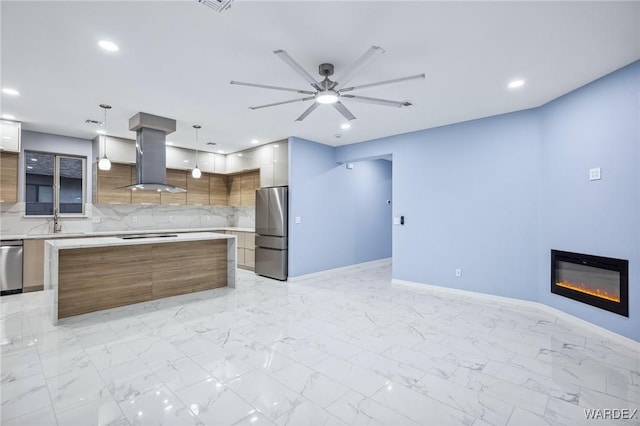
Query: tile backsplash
x=126, y=217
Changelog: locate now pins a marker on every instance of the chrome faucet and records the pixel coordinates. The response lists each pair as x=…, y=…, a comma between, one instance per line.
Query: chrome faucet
x=57, y=226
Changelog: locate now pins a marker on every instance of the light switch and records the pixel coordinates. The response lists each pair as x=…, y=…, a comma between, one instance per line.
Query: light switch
x=396, y=220
x=134, y=219
x=96, y=219
x=298, y=219
x=594, y=174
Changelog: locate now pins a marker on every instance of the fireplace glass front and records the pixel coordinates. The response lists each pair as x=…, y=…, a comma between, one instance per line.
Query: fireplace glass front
x=595, y=280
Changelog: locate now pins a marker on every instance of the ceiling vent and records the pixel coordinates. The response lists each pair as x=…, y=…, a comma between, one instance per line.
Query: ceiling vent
x=217, y=5
x=90, y=121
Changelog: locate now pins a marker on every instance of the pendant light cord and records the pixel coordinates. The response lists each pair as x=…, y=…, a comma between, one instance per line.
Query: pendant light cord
x=197, y=127
x=105, y=133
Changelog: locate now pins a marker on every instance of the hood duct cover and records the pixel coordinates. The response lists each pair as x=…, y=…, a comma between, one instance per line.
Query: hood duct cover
x=151, y=152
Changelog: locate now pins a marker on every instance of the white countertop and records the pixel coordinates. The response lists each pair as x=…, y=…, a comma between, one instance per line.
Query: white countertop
x=74, y=243
x=108, y=233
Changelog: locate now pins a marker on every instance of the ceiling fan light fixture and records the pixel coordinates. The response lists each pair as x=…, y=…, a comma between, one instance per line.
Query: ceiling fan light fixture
x=327, y=97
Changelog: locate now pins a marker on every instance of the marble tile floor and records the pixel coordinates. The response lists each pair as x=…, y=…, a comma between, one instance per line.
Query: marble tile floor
x=347, y=348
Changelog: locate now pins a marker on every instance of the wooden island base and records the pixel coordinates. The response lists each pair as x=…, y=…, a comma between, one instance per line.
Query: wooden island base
x=88, y=279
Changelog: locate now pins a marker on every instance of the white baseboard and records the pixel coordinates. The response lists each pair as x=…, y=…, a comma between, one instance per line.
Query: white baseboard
x=605, y=333
x=347, y=268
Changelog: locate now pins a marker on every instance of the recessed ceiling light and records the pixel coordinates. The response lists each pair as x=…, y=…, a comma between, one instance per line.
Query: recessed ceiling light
x=10, y=91
x=34, y=159
x=108, y=45
x=220, y=151
x=8, y=117
x=169, y=143
x=255, y=141
x=29, y=167
x=515, y=84
x=101, y=132
x=345, y=126
x=240, y=155
x=6, y=137
x=186, y=161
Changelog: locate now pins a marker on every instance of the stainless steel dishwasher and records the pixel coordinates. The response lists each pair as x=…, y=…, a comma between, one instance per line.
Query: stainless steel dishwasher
x=10, y=267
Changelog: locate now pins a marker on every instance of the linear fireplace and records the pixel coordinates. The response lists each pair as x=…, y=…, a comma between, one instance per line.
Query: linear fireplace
x=598, y=281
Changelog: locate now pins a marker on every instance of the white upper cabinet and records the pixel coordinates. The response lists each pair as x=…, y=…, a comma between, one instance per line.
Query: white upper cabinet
x=119, y=150
x=10, y=133
x=272, y=159
x=281, y=164
x=179, y=158
x=211, y=163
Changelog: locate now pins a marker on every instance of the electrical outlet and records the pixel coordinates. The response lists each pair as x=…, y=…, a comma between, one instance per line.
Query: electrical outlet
x=96, y=219
x=594, y=174
x=134, y=219
x=458, y=272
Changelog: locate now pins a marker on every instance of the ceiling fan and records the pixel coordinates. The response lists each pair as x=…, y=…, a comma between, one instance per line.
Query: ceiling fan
x=331, y=92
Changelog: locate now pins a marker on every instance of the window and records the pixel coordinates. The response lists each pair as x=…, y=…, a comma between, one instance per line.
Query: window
x=54, y=182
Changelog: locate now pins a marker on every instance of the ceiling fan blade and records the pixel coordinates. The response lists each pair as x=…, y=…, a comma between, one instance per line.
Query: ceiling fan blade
x=308, y=98
x=308, y=111
x=381, y=83
x=377, y=101
x=297, y=68
x=369, y=55
x=344, y=111
x=264, y=86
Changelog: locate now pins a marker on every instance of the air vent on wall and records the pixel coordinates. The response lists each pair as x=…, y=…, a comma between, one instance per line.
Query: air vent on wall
x=212, y=143
x=90, y=121
x=217, y=5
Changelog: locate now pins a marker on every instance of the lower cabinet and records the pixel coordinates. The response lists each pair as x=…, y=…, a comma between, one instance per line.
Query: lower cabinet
x=33, y=265
x=246, y=254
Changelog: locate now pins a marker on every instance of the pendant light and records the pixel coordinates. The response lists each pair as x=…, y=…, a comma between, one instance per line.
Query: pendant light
x=104, y=163
x=196, y=173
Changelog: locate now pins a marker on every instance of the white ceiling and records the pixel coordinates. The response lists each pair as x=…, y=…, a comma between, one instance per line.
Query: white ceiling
x=176, y=60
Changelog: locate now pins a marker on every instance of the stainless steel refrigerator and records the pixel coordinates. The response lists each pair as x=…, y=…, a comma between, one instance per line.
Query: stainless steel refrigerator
x=272, y=216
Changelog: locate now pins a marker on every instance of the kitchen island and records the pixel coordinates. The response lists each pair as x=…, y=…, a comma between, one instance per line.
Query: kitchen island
x=90, y=274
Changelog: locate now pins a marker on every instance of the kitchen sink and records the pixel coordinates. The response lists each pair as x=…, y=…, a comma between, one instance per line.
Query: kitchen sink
x=138, y=236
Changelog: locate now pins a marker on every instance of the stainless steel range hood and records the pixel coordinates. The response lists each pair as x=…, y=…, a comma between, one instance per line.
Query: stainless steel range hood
x=151, y=152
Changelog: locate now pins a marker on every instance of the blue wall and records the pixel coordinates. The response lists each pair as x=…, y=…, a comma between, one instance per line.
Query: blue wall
x=595, y=126
x=469, y=196
x=345, y=217
x=494, y=196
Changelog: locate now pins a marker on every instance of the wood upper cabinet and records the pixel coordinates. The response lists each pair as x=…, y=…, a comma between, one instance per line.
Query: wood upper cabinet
x=142, y=197
x=9, y=177
x=234, y=190
x=218, y=190
x=176, y=178
x=198, y=190
x=211, y=189
x=111, y=185
x=249, y=183
x=242, y=188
